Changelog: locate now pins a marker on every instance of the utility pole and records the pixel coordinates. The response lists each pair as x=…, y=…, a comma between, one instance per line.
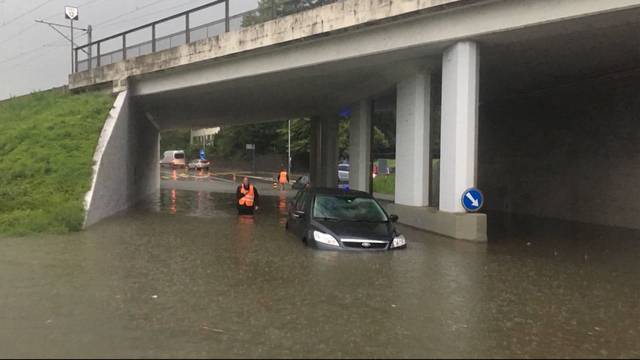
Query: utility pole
x=89, y=39
x=73, y=68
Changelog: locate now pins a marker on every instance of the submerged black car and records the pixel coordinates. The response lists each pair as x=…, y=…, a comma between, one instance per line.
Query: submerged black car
x=335, y=219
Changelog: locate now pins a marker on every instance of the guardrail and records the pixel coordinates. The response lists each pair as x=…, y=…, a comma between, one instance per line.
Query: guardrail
x=274, y=9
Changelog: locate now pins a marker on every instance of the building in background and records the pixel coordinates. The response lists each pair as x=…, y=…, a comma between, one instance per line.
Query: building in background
x=203, y=136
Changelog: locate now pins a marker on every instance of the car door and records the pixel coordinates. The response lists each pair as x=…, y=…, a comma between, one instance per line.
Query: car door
x=298, y=215
x=292, y=221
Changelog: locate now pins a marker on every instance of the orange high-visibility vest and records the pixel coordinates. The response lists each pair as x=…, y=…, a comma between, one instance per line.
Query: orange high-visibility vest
x=283, y=177
x=247, y=199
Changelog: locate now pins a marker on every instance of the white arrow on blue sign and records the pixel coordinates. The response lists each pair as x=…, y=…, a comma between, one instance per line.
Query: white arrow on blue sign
x=472, y=199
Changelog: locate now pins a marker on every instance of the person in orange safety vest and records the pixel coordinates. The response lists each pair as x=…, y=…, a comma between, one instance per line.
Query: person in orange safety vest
x=283, y=178
x=247, y=198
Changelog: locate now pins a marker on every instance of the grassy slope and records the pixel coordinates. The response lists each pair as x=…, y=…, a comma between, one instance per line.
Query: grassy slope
x=385, y=184
x=47, y=141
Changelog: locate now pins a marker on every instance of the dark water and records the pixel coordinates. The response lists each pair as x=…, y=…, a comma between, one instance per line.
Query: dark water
x=185, y=276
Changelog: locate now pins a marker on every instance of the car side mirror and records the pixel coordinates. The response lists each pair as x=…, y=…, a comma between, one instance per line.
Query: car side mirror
x=298, y=214
x=393, y=218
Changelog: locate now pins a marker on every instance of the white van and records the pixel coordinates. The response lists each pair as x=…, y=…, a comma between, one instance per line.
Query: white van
x=173, y=158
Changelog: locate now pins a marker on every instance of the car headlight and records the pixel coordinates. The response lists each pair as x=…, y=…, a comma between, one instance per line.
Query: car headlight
x=325, y=238
x=399, y=241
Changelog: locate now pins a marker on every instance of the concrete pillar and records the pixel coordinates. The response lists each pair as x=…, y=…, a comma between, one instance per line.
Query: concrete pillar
x=315, y=153
x=458, y=142
x=360, y=146
x=324, y=152
x=413, y=120
x=330, y=152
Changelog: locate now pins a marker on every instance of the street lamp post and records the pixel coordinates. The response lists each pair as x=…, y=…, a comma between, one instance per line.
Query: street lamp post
x=71, y=13
x=289, y=150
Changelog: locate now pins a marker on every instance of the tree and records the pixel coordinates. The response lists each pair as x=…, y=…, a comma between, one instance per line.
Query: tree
x=384, y=134
x=175, y=139
x=300, y=135
x=231, y=140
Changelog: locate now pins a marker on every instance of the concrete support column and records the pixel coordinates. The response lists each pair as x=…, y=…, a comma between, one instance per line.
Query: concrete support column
x=330, y=152
x=458, y=138
x=360, y=146
x=413, y=121
x=315, y=153
x=324, y=152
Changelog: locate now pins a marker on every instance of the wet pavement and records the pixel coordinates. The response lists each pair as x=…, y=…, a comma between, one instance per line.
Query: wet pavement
x=183, y=275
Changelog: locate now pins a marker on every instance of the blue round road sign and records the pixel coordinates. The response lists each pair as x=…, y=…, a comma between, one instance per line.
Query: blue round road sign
x=472, y=199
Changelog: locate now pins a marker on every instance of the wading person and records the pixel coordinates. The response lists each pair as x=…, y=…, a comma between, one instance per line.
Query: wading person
x=247, y=197
x=283, y=178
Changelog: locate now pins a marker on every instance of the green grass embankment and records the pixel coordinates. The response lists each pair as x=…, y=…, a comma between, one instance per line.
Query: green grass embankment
x=47, y=141
x=385, y=184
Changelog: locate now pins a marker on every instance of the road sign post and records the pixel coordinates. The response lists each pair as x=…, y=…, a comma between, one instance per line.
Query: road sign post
x=252, y=147
x=472, y=200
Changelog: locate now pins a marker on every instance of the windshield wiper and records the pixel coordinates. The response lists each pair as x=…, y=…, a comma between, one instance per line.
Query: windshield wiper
x=369, y=221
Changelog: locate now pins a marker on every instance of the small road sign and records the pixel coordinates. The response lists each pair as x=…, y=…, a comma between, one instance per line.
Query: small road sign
x=472, y=199
x=71, y=13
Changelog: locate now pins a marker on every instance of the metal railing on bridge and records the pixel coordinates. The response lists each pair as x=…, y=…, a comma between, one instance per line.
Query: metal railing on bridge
x=97, y=53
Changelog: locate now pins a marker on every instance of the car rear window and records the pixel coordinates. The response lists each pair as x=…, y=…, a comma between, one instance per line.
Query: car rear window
x=178, y=155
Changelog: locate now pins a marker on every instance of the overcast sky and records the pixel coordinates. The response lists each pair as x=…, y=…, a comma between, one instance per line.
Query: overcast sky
x=35, y=57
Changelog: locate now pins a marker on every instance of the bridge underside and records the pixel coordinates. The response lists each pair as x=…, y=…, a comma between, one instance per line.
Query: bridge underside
x=555, y=132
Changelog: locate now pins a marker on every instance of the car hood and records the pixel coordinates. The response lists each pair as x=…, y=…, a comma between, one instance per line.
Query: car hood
x=362, y=230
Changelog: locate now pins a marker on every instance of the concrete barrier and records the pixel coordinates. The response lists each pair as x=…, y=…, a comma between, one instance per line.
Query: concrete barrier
x=472, y=227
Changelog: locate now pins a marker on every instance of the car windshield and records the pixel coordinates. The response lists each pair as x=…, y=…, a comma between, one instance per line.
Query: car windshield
x=348, y=208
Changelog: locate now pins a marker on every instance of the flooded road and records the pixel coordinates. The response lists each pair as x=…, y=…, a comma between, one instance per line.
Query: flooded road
x=183, y=275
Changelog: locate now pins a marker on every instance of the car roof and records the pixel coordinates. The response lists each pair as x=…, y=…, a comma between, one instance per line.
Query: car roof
x=332, y=191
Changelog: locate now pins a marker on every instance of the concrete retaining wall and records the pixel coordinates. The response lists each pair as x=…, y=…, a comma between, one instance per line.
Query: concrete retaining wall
x=570, y=153
x=125, y=162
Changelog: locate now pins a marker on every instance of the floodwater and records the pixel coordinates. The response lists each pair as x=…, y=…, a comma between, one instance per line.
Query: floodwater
x=184, y=276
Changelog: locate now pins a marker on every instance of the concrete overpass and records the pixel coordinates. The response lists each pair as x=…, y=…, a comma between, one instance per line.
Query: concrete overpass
x=533, y=100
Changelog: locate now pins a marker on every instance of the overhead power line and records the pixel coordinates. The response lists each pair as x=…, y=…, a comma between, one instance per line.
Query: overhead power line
x=138, y=9
x=44, y=46
x=24, y=14
x=31, y=26
x=88, y=2
x=24, y=53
